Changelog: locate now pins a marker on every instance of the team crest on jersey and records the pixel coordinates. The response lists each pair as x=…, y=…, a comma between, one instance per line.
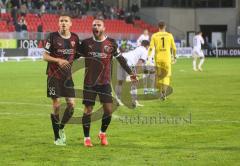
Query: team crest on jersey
x=108, y=49
x=73, y=43
x=48, y=45
x=90, y=46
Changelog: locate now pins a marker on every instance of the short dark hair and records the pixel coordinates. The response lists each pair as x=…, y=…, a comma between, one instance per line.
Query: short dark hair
x=64, y=14
x=161, y=24
x=99, y=17
x=145, y=43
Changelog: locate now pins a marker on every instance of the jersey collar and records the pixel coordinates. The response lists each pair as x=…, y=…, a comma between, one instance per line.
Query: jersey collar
x=65, y=37
x=105, y=37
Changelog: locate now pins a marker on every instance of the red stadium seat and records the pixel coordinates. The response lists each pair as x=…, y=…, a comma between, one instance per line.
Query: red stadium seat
x=50, y=23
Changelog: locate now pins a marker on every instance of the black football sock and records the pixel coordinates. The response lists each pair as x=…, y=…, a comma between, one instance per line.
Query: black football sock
x=68, y=113
x=55, y=125
x=86, y=121
x=106, y=119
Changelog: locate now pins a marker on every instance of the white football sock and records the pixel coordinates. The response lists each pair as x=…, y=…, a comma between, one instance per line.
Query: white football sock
x=133, y=92
x=145, y=81
x=118, y=90
x=201, y=63
x=152, y=80
x=194, y=64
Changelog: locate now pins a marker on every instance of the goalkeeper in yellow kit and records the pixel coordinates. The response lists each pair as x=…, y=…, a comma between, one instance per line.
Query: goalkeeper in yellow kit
x=163, y=46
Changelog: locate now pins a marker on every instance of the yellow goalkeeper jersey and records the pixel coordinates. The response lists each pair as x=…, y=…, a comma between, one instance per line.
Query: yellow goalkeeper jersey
x=162, y=43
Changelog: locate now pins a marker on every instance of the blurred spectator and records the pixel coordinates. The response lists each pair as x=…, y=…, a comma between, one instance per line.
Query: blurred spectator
x=42, y=9
x=1, y=4
x=101, y=6
x=29, y=4
x=21, y=27
x=47, y=4
x=135, y=8
x=99, y=15
x=14, y=13
x=79, y=9
x=22, y=22
x=60, y=5
x=15, y=3
x=125, y=46
x=120, y=13
x=24, y=2
x=94, y=5
x=53, y=5
x=129, y=18
x=39, y=30
x=144, y=36
x=112, y=13
x=87, y=4
x=23, y=9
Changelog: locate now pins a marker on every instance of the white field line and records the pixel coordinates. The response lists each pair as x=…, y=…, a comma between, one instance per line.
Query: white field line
x=49, y=106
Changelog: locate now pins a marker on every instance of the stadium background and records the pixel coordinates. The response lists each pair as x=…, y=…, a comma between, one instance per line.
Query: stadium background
x=210, y=98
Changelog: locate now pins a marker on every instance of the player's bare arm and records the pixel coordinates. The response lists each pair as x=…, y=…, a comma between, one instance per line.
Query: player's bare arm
x=122, y=61
x=61, y=62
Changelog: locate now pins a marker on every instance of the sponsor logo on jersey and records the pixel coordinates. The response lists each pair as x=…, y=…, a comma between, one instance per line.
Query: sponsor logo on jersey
x=108, y=49
x=98, y=54
x=90, y=46
x=66, y=51
x=48, y=45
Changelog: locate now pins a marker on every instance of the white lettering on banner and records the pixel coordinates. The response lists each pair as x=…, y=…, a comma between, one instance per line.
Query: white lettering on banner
x=224, y=52
x=35, y=52
x=234, y=52
x=238, y=40
x=28, y=44
x=184, y=51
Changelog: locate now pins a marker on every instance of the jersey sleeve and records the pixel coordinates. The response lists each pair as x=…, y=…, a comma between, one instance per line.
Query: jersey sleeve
x=48, y=45
x=173, y=45
x=139, y=40
x=151, y=46
x=116, y=50
x=78, y=49
x=81, y=50
x=144, y=55
x=202, y=40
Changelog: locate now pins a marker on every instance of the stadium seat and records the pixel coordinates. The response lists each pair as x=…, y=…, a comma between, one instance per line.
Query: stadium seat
x=50, y=23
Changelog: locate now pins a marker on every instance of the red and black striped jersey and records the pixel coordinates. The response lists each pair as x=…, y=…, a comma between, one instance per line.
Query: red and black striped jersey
x=59, y=47
x=98, y=60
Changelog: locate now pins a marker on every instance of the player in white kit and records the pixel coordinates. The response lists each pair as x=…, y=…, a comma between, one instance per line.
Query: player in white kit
x=133, y=58
x=144, y=36
x=197, y=51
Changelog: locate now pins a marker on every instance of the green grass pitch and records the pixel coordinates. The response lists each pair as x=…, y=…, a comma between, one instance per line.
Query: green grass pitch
x=200, y=121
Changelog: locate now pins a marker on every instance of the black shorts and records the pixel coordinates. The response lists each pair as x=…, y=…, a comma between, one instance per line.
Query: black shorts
x=57, y=88
x=104, y=93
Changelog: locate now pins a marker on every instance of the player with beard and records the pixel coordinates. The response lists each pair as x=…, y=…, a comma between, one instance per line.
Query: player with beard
x=98, y=52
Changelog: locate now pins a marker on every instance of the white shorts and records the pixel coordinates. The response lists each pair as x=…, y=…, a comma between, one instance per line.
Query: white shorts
x=198, y=53
x=122, y=74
